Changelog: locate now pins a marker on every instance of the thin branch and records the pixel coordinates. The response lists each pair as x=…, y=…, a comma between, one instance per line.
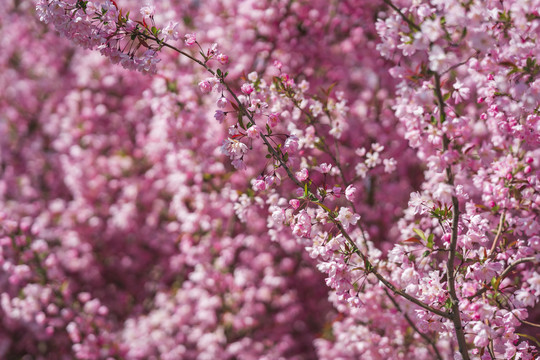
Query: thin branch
x=412, y=325
x=389, y=285
x=450, y=276
x=369, y=267
x=503, y=275
x=407, y=20
x=499, y=232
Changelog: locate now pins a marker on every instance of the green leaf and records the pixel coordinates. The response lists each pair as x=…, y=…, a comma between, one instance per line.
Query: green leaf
x=218, y=72
x=446, y=96
x=448, y=304
x=420, y=233
x=495, y=282
x=426, y=253
x=323, y=206
x=430, y=241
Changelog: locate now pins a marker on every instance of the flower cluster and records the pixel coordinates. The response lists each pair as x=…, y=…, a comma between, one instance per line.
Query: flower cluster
x=380, y=198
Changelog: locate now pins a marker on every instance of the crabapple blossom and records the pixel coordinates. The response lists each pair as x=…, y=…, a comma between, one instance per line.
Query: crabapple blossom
x=190, y=39
x=133, y=225
x=346, y=217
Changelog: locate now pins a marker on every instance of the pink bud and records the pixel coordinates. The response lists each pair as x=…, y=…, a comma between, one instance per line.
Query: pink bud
x=295, y=203
x=223, y=59
x=350, y=193
x=259, y=185
x=222, y=102
x=302, y=175
x=205, y=87
x=190, y=39
x=247, y=88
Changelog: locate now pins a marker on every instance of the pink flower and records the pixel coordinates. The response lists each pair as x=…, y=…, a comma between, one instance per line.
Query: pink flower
x=273, y=120
x=291, y=144
x=389, y=165
x=324, y=168
x=190, y=39
x=223, y=59
x=259, y=185
x=302, y=175
x=346, y=217
x=222, y=102
x=460, y=92
x=350, y=192
x=253, y=132
x=295, y=203
x=205, y=86
x=220, y=116
x=170, y=31
x=247, y=88
x=148, y=10
x=302, y=225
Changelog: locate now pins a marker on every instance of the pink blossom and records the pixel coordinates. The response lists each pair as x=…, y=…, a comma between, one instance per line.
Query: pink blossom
x=346, y=217
x=351, y=192
x=302, y=175
x=273, y=120
x=148, y=10
x=170, y=31
x=324, y=168
x=291, y=144
x=253, y=132
x=190, y=39
x=247, y=88
x=222, y=102
x=205, y=86
x=223, y=59
x=295, y=203
x=220, y=116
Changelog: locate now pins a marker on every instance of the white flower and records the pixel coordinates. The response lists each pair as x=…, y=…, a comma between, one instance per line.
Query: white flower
x=170, y=31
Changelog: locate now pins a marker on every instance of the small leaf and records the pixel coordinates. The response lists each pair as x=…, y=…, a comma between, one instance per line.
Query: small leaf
x=420, y=233
x=323, y=206
x=430, y=241
x=495, y=282
x=448, y=304
x=412, y=240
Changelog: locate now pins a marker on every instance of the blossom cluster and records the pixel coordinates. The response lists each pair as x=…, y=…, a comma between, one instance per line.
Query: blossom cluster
x=372, y=194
